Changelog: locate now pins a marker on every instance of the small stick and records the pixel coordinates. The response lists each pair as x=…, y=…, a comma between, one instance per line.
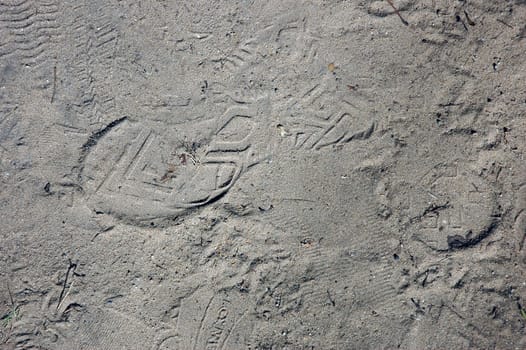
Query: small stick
x=330, y=298
x=12, y=314
x=397, y=12
x=506, y=24
x=54, y=83
x=65, y=295
x=10, y=295
x=71, y=268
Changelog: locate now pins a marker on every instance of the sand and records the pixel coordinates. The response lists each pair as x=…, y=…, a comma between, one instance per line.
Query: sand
x=262, y=174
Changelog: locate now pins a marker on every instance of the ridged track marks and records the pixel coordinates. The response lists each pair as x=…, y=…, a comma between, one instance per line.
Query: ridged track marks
x=105, y=41
x=362, y=265
x=94, y=45
x=283, y=222
x=28, y=29
x=5, y=109
x=107, y=328
x=351, y=262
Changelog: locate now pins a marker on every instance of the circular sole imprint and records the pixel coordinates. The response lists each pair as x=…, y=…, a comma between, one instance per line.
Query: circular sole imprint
x=457, y=209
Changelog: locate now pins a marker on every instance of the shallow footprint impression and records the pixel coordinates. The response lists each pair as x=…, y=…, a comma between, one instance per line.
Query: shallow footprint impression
x=262, y=175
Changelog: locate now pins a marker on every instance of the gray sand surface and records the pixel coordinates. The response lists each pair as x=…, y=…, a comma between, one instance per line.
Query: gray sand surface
x=321, y=174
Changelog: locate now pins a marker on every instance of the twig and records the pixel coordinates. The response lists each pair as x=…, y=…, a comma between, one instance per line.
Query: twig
x=11, y=316
x=333, y=303
x=54, y=83
x=65, y=295
x=397, y=12
x=106, y=229
x=71, y=268
x=506, y=24
x=10, y=295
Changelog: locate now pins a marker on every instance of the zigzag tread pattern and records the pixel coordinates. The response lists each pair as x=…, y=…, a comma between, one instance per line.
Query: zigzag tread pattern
x=94, y=45
x=28, y=30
